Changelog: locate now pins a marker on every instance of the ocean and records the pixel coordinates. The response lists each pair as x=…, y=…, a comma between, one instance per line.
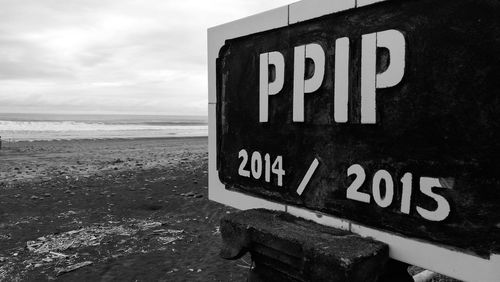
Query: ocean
x=35, y=127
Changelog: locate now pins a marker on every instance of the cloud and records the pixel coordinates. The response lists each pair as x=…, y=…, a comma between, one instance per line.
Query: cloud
x=106, y=56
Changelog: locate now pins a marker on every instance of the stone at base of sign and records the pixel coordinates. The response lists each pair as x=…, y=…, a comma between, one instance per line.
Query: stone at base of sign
x=287, y=248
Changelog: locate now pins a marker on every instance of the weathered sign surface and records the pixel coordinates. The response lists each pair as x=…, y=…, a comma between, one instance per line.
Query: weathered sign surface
x=387, y=115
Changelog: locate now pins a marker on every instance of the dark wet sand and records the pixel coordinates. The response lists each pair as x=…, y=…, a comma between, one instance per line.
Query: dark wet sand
x=137, y=209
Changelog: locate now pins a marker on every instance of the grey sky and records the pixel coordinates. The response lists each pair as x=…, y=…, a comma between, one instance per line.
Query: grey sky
x=101, y=56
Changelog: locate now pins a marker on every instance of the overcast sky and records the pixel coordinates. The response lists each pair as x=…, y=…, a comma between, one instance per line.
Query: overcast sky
x=103, y=56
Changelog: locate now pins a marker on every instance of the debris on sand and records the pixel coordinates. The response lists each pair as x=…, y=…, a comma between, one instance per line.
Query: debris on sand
x=62, y=270
x=67, y=214
x=167, y=236
x=89, y=236
x=94, y=235
x=168, y=240
x=147, y=224
x=216, y=232
x=191, y=195
x=168, y=231
x=69, y=251
x=49, y=248
x=5, y=236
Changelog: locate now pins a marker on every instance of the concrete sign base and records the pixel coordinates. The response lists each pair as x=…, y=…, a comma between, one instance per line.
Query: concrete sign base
x=287, y=248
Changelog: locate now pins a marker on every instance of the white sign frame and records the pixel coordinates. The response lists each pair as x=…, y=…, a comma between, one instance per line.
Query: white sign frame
x=439, y=258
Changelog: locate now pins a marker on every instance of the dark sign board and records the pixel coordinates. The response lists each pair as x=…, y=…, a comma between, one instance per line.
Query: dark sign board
x=387, y=115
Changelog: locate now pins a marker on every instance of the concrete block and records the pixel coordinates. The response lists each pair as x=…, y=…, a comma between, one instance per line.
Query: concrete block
x=287, y=248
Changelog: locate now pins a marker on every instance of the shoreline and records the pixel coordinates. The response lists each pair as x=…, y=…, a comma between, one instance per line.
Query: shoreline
x=7, y=141
x=41, y=160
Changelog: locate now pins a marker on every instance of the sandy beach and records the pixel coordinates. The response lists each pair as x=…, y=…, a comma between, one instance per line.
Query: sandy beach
x=110, y=210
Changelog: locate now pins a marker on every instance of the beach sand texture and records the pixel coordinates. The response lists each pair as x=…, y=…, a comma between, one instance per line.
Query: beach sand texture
x=110, y=210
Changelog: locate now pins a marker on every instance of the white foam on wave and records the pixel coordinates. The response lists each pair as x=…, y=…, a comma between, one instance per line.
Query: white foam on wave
x=84, y=126
x=66, y=130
